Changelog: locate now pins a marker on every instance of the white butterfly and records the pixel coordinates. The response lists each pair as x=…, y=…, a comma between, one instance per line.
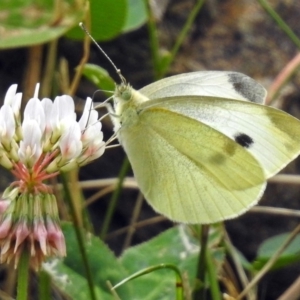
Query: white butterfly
x=202, y=144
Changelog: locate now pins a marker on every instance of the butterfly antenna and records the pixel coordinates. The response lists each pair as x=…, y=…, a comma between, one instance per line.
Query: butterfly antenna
x=118, y=71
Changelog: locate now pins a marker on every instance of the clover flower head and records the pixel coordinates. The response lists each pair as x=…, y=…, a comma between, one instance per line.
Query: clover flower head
x=48, y=140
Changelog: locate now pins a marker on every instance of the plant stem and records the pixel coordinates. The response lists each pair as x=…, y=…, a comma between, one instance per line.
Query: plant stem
x=114, y=199
x=44, y=285
x=154, y=44
x=80, y=239
x=212, y=277
x=23, y=271
x=199, y=293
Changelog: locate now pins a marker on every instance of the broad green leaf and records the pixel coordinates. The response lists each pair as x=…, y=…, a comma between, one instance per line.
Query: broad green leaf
x=175, y=246
x=107, y=20
x=136, y=15
x=99, y=77
x=70, y=282
x=69, y=274
x=290, y=255
x=27, y=23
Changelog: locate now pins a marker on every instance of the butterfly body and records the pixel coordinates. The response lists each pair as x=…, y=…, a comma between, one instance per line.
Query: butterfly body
x=201, y=144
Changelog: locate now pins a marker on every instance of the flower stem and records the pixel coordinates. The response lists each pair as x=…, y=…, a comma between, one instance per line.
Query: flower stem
x=23, y=271
x=80, y=240
x=44, y=286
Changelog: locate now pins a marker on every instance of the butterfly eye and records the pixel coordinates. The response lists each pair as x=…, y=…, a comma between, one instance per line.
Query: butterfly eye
x=126, y=95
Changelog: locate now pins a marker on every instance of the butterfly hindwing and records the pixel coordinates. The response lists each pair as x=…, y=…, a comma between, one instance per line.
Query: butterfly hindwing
x=189, y=171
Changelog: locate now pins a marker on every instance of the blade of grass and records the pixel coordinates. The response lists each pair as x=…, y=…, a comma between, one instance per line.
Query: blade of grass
x=178, y=283
x=162, y=65
x=270, y=263
x=280, y=22
x=212, y=277
x=181, y=37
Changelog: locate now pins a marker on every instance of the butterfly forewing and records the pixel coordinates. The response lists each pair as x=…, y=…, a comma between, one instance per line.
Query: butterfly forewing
x=230, y=85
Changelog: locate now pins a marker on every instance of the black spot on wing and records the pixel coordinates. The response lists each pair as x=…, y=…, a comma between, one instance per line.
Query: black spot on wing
x=247, y=87
x=244, y=140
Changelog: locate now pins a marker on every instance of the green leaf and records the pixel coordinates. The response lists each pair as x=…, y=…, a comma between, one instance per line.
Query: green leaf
x=136, y=15
x=99, y=77
x=69, y=274
x=27, y=23
x=107, y=20
x=290, y=255
x=70, y=282
x=175, y=246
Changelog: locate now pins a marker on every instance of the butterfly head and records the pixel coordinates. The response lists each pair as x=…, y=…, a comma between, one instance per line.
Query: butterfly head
x=123, y=92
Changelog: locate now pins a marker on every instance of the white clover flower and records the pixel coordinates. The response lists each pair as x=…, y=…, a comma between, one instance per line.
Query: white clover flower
x=48, y=140
x=49, y=133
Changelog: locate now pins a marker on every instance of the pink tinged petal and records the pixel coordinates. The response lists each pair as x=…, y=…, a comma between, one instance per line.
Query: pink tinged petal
x=40, y=235
x=35, y=111
x=91, y=133
x=70, y=143
x=91, y=153
x=21, y=232
x=30, y=147
x=56, y=238
x=5, y=227
x=4, y=204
